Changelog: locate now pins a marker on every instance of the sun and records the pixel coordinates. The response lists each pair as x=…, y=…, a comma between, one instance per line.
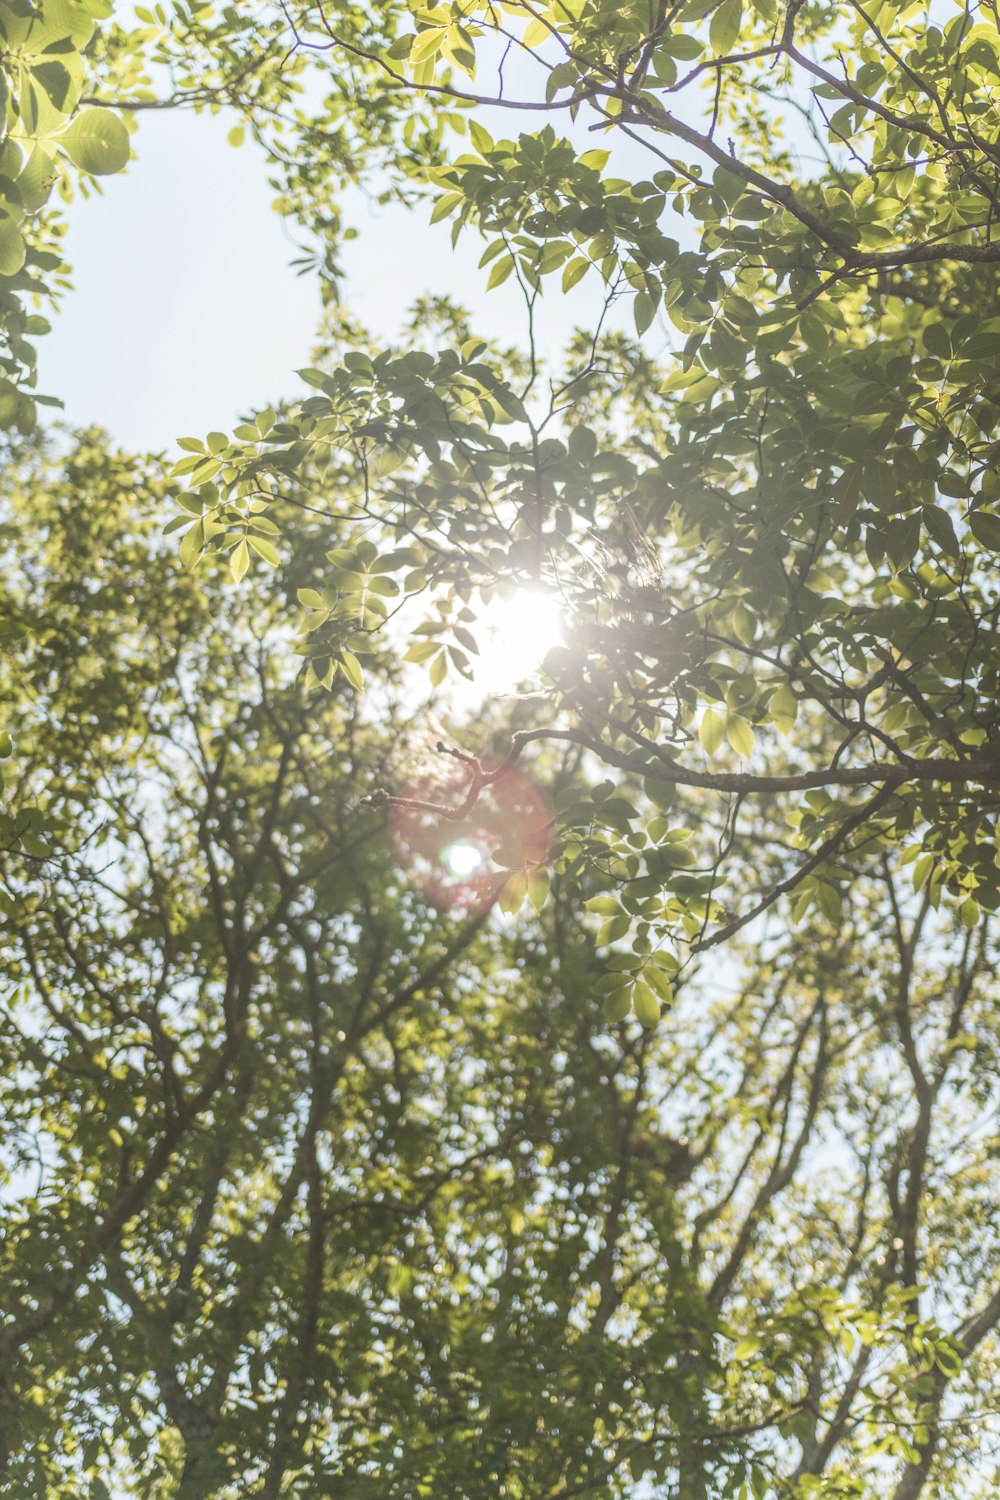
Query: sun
x=514, y=633
x=462, y=858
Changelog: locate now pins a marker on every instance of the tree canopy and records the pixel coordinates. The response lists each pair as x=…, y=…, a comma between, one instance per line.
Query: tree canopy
x=793, y=519
x=413, y=1088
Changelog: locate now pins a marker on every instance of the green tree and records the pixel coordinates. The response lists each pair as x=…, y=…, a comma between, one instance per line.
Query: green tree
x=794, y=519
x=315, y=1187
x=47, y=140
x=310, y=1187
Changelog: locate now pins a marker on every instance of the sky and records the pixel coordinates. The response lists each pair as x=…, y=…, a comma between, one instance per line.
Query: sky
x=186, y=312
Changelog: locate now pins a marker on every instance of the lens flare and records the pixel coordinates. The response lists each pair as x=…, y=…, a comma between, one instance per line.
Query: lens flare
x=461, y=859
x=462, y=862
x=514, y=634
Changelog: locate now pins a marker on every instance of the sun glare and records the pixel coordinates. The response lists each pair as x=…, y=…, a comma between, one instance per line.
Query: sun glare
x=462, y=863
x=514, y=634
x=462, y=858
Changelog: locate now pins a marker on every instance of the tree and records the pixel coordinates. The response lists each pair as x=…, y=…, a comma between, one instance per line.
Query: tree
x=314, y=1187
x=816, y=468
x=310, y=1186
x=46, y=139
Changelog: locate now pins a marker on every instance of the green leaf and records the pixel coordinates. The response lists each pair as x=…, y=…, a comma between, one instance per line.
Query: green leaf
x=176, y=524
x=562, y=76
x=645, y=1004
x=936, y=340
x=613, y=930
x=574, y=271
x=422, y=651
x=192, y=544
x=644, y=311
x=445, y=205
x=986, y=529
x=711, y=731
x=264, y=549
x=35, y=179
x=662, y=794
x=12, y=247
x=902, y=538
x=535, y=34
x=829, y=901
x=427, y=44
x=96, y=141
x=743, y=623
x=513, y=892
x=725, y=26
x=56, y=22
x=970, y=912
x=352, y=670
x=501, y=270
x=942, y=528
x=739, y=734
x=239, y=560
x=538, y=888
x=55, y=79
x=658, y=982
x=783, y=709
x=618, y=1005
x=604, y=906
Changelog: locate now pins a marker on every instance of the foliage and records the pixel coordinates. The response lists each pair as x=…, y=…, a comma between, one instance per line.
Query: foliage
x=309, y=1188
x=44, y=136
x=312, y=1188
x=814, y=472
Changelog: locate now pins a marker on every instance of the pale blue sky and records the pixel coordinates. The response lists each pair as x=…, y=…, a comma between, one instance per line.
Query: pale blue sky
x=185, y=312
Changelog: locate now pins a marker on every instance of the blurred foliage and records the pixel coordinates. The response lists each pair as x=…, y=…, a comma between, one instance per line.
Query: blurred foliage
x=309, y=1187
x=312, y=1187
